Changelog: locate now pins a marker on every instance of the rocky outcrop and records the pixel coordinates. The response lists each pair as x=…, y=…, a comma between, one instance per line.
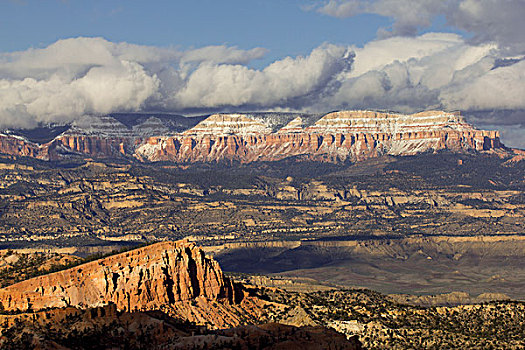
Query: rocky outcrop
x=337, y=136
x=168, y=276
x=105, y=302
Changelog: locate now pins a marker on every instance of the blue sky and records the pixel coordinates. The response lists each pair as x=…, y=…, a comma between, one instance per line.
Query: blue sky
x=284, y=27
x=77, y=57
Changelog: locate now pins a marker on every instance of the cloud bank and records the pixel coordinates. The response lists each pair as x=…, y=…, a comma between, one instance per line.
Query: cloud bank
x=498, y=21
x=84, y=76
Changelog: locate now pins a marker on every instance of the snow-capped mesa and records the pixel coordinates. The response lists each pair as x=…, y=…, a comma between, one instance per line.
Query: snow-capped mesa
x=296, y=125
x=377, y=122
x=249, y=137
x=106, y=126
x=229, y=124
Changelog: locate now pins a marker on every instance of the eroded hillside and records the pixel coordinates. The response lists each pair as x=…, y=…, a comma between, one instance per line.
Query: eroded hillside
x=431, y=194
x=187, y=316
x=419, y=220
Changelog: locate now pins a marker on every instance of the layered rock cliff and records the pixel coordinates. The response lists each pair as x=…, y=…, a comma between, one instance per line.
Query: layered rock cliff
x=337, y=136
x=175, y=277
x=18, y=146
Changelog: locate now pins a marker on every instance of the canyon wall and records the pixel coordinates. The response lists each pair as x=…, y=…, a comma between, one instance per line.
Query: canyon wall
x=337, y=136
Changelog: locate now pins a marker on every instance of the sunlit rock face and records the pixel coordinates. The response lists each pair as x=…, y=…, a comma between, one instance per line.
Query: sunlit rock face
x=336, y=136
x=174, y=277
x=142, y=279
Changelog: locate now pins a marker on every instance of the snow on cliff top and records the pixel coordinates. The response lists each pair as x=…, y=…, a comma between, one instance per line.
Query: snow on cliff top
x=144, y=125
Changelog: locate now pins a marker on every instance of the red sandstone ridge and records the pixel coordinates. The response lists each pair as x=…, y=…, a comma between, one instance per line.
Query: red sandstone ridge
x=175, y=277
x=337, y=136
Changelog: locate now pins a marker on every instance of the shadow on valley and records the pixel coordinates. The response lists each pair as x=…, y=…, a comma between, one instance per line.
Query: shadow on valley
x=414, y=266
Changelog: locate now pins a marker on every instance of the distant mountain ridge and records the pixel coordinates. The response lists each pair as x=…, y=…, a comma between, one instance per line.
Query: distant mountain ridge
x=249, y=137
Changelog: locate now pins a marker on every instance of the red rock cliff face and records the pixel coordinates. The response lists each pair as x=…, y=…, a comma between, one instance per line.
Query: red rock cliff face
x=94, y=146
x=19, y=147
x=338, y=136
x=321, y=147
x=157, y=276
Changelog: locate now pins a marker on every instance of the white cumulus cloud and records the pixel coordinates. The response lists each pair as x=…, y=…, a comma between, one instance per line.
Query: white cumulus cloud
x=88, y=76
x=79, y=76
x=284, y=83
